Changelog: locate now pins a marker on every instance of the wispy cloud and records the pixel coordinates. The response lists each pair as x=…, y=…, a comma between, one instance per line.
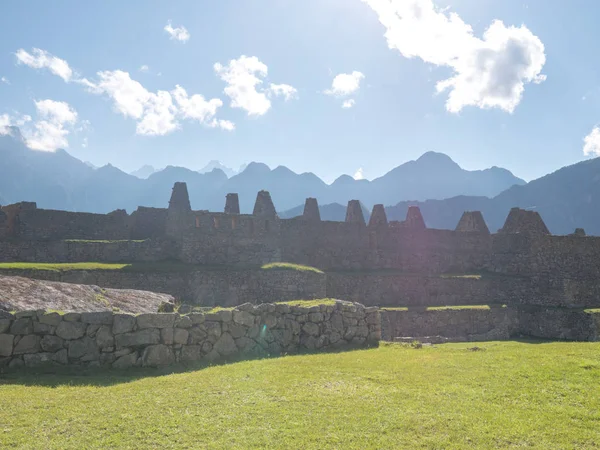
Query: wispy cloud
x=178, y=33
x=41, y=59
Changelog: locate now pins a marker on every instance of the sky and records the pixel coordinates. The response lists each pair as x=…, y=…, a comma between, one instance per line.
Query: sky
x=325, y=86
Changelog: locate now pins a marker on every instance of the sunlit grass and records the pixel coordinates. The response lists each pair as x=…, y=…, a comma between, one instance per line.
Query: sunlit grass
x=506, y=395
x=290, y=266
x=60, y=267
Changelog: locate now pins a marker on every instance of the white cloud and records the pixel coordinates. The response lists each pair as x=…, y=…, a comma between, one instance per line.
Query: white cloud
x=489, y=72
x=348, y=104
x=5, y=122
x=359, y=174
x=591, y=142
x=51, y=130
x=284, y=90
x=345, y=84
x=178, y=33
x=144, y=68
x=157, y=113
x=243, y=76
x=198, y=108
x=4, y=80
x=41, y=59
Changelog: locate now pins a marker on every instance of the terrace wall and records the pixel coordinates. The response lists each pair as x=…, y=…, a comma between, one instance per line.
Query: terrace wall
x=94, y=339
x=200, y=287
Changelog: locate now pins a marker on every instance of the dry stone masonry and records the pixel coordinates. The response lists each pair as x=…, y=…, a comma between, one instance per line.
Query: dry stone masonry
x=93, y=339
x=382, y=263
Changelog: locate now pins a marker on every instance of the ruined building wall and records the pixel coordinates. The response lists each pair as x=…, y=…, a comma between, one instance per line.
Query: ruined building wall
x=237, y=240
x=148, y=223
x=3, y=225
x=46, y=224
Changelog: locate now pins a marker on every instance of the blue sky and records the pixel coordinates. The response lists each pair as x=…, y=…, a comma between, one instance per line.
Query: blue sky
x=280, y=104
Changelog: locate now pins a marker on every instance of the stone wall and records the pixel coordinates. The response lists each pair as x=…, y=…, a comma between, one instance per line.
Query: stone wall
x=454, y=324
x=475, y=324
x=397, y=289
x=72, y=251
x=148, y=223
x=200, y=287
x=34, y=338
x=560, y=323
x=47, y=224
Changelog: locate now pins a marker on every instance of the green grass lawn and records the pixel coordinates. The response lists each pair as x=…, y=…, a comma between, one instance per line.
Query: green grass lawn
x=507, y=395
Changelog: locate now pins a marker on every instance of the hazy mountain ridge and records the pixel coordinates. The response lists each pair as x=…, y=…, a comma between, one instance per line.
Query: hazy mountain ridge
x=57, y=180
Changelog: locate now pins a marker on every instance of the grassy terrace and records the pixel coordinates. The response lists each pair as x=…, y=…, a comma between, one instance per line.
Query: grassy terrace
x=290, y=266
x=164, y=266
x=443, y=308
x=506, y=395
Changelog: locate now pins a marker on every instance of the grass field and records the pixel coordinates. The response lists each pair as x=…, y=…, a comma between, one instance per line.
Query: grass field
x=505, y=395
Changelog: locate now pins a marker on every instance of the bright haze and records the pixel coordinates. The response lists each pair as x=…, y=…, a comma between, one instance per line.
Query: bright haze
x=323, y=86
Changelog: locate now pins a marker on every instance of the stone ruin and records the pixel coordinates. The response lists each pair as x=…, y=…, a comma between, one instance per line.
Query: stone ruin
x=545, y=281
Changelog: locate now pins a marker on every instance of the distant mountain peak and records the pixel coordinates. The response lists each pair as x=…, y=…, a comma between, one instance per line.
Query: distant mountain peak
x=437, y=158
x=143, y=172
x=216, y=164
x=256, y=167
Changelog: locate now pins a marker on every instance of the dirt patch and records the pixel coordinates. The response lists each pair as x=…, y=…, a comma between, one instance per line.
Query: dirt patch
x=18, y=294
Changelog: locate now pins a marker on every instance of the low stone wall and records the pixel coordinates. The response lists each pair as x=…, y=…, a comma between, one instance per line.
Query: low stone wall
x=471, y=324
x=394, y=289
x=34, y=338
x=201, y=287
x=560, y=323
x=455, y=324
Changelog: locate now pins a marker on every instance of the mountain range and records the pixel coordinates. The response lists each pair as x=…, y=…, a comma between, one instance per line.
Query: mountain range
x=566, y=199
x=57, y=180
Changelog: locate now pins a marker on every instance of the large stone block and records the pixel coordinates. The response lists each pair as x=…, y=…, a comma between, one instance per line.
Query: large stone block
x=243, y=318
x=225, y=345
x=71, y=330
x=97, y=318
x=4, y=325
x=126, y=361
x=197, y=334
x=84, y=348
x=6, y=344
x=148, y=336
x=42, y=328
x=311, y=328
x=123, y=323
x=191, y=353
x=180, y=336
x=157, y=355
x=61, y=357
x=27, y=344
x=52, y=343
x=52, y=319
x=104, y=337
x=22, y=326
x=156, y=320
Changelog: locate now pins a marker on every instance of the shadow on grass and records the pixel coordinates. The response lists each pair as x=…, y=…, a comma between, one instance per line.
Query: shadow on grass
x=57, y=376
